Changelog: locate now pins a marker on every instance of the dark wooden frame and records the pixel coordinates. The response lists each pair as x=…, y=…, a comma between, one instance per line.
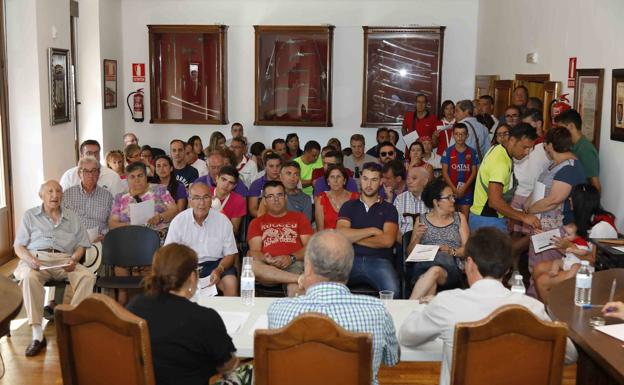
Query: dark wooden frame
x=617, y=75
x=593, y=72
x=399, y=30
x=106, y=61
x=222, y=65
x=261, y=29
x=66, y=115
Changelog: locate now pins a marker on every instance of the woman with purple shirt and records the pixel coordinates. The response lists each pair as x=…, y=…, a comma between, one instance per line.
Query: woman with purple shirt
x=164, y=170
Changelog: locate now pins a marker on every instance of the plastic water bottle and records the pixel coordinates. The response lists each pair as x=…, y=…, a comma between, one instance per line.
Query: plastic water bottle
x=517, y=285
x=582, y=293
x=513, y=277
x=248, y=283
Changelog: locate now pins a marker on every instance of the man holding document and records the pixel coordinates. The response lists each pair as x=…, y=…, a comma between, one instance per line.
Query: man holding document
x=49, y=242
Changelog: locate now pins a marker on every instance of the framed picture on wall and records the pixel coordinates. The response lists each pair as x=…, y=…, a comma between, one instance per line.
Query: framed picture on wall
x=588, y=101
x=188, y=74
x=399, y=64
x=110, y=83
x=58, y=63
x=617, y=105
x=293, y=75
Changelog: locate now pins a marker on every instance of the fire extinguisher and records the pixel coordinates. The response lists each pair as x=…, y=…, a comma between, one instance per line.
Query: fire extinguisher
x=558, y=106
x=136, y=111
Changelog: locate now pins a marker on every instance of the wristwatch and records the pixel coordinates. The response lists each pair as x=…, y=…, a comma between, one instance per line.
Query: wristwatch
x=293, y=259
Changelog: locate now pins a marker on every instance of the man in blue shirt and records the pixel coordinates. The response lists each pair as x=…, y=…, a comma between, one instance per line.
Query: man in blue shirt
x=371, y=224
x=328, y=261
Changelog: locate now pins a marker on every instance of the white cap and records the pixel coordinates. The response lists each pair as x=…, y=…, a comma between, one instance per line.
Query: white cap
x=585, y=263
x=518, y=276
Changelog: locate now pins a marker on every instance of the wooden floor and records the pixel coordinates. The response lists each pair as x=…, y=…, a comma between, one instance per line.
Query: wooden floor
x=44, y=369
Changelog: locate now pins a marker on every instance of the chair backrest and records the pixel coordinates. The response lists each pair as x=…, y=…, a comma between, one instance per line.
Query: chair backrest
x=511, y=346
x=312, y=349
x=101, y=343
x=130, y=246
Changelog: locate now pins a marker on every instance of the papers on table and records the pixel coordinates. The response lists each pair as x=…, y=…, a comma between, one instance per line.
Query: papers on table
x=206, y=288
x=233, y=320
x=261, y=323
x=542, y=241
x=615, y=331
x=140, y=213
x=423, y=253
x=410, y=138
x=618, y=248
x=42, y=268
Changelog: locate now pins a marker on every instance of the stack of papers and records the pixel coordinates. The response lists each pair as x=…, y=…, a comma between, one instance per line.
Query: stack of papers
x=423, y=253
x=542, y=241
x=615, y=331
x=233, y=320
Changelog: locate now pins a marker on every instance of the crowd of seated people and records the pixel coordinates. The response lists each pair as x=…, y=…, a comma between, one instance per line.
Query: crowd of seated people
x=468, y=170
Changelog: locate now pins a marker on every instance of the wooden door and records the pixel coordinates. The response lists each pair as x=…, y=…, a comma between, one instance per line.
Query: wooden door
x=551, y=91
x=6, y=199
x=484, y=85
x=502, y=95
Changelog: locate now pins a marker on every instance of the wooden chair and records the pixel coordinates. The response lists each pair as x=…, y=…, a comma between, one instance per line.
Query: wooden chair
x=312, y=349
x=101, y=343
x=512, y=347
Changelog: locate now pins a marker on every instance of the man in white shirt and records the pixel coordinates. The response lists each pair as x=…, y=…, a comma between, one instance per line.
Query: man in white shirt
x=210, y=234
x=194, y=161
x=108, y=179
x=246, y=167
x=236, y=130
x=488, y=258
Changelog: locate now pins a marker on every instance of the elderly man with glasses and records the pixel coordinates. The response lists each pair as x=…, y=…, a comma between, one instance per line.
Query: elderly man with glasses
x=210, y=234
x=277, y=241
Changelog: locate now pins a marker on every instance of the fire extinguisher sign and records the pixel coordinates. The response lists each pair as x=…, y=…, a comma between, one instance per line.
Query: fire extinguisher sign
x=138, y=72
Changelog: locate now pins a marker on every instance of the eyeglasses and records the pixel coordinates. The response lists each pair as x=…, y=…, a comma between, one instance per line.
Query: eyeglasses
x=389, y=153
x=196, y=198
x=275, y=197
x=449, y=197
x=512, y=116
x=90, y=172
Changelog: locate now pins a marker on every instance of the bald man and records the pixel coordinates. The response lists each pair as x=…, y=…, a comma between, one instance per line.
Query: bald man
x=50, y=242
x=328, y=262
x=409, y=202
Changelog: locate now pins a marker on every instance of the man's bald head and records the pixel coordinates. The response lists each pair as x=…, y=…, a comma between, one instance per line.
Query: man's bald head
x=417, y=178
x=330, y=255
x=51, y=194
x=51, y=183
x=199, y=189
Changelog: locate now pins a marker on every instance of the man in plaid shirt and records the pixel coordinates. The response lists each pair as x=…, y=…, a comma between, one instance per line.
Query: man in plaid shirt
x=328, y=262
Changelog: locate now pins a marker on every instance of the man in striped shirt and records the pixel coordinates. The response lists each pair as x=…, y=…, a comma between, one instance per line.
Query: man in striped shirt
x=409, y=202
x=328, y=262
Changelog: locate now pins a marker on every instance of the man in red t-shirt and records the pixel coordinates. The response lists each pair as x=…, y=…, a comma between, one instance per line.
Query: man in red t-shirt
x=421, y=120
x=277, y=241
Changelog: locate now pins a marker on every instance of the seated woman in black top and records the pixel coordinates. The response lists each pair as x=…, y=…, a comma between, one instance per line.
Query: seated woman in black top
x=189, y=342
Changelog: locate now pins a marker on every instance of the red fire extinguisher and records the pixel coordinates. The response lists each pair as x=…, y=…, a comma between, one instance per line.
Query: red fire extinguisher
x=558, y=106
x=136, y=111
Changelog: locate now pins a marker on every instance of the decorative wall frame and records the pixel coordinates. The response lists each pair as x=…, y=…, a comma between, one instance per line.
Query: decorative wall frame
x=588, y=101
x=293, y=82
x=188, y=74
x=59, y=77
x=400, y=63
x=110, y=83
x=617, y=105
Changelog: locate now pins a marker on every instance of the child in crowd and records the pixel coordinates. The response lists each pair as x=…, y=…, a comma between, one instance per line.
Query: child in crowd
x=115, y=161
x=459, y=169
x=580, y=248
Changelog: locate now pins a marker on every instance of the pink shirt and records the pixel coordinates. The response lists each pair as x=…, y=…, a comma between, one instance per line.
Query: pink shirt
x=235, y=205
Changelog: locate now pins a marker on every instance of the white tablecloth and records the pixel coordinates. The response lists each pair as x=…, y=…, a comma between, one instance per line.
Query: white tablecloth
x=234, y=312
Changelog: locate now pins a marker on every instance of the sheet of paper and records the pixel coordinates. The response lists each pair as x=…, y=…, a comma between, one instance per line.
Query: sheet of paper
x=43, y=268
x=206, y=288
x=615, y=331
x=618, y=248
x=410, y=138
x=539, y=190
x=140, y=213
x=233, y=320
x=261, y=323
x=423, y=253
x=542, y=241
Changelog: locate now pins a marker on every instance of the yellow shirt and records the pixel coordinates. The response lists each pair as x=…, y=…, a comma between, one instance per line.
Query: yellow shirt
x=497, y=166
x=306, y=172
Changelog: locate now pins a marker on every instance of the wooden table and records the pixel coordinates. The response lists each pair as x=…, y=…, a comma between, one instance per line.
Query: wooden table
x=601, y=357
x=10, y=303
x=607, y=257
x=243, y=336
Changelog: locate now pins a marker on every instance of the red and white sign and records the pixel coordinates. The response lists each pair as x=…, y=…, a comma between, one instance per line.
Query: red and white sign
x=138, y=72
x=572, y=73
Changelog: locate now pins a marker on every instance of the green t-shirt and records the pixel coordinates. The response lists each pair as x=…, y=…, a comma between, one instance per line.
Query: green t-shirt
x=306, y=172
x=497, y=166
x=587, y=154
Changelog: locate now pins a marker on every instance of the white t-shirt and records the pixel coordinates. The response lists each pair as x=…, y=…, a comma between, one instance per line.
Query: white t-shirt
x=248, y=171
x=201, y=167
x=109, y=180
x=603, y=230
x=528, y=169
x=213, y=240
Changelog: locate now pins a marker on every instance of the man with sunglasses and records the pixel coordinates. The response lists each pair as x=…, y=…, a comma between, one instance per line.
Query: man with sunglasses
x=387, y=152
x=277, y=241
x=371, y=224
x=209, y=233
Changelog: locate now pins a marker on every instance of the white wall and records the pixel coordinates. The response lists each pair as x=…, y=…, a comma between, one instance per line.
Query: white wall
x=557, y=30
x=29, y=35
x=347, y=15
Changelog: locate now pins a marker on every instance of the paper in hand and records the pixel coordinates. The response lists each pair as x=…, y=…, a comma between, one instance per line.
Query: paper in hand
x=410, y=138
x=423, y=253
x=140, y=213
x=207, y=288
x=542, y=241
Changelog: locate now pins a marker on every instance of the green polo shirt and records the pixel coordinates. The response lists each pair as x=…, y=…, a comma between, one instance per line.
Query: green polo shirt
x=588, y=155
x=306, y=172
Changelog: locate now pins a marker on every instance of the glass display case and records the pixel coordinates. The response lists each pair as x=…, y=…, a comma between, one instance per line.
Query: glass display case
x=400, y=63
x=293, y=75
x=188, y=74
